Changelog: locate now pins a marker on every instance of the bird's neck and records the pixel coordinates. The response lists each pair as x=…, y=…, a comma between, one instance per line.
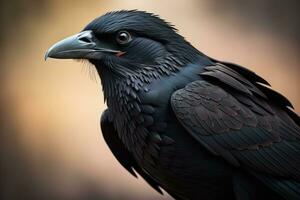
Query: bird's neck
x=121, y=96
x=121, y=85
x=126, y=81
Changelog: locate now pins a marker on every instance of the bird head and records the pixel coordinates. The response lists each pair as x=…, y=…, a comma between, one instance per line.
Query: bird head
x=126, y=41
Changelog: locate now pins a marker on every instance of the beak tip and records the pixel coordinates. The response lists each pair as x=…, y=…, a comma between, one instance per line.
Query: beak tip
x=46, y=56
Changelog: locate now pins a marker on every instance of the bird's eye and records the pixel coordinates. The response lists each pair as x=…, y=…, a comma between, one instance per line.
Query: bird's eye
x=123, y=37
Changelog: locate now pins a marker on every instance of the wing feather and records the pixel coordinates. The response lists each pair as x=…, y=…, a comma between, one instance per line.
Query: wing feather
x=225, y=126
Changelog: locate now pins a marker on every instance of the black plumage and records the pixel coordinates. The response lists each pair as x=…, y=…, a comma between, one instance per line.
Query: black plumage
x=197, y=127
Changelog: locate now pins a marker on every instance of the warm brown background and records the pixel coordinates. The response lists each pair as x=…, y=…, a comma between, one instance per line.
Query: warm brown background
x=50, y=142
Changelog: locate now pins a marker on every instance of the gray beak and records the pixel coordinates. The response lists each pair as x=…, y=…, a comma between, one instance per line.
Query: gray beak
x=81, y=46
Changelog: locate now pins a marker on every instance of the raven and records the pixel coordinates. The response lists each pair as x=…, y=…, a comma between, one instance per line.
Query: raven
x=194, y=126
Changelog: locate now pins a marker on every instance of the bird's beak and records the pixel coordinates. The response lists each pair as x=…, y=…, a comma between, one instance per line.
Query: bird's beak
x=80, y=46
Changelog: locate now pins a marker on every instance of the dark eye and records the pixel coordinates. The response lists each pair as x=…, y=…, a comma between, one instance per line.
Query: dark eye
x=123, y=37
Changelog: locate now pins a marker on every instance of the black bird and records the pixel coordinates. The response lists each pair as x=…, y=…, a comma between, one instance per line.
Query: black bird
x=197, y=127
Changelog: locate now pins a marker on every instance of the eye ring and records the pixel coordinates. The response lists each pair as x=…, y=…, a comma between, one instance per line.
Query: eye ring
x=123, y=37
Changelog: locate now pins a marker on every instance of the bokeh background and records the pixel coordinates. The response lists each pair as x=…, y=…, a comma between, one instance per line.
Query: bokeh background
x=50, y=140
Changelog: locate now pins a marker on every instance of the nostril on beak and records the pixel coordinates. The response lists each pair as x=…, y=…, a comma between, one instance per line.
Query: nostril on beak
x=85, y=39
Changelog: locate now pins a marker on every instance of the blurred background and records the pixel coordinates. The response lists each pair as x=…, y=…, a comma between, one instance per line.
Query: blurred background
x=51, y=145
